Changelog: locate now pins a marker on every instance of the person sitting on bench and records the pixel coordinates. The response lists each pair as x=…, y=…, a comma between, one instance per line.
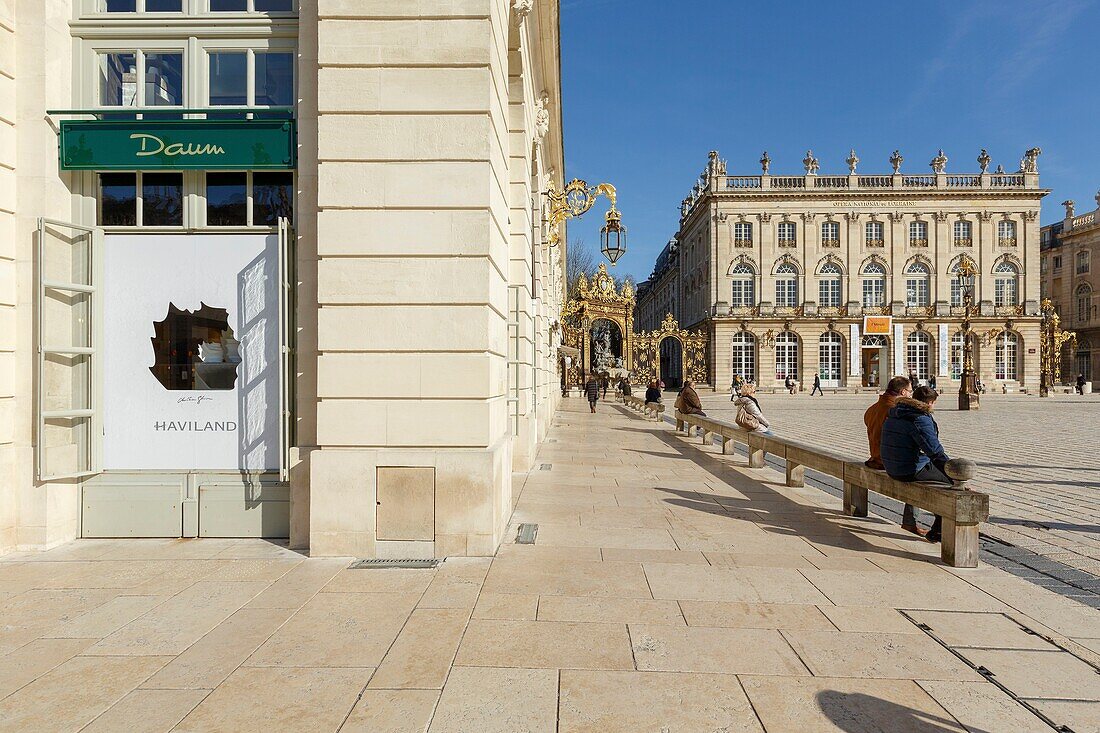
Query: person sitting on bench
x=911, y=448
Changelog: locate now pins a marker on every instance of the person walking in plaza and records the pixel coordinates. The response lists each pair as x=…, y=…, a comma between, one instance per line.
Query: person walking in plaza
x=605, y=382
x=817, y=386
x=932, y=381
x=749, y=415
x=1080, y=384
x=624, y=387
x=874, y=418
x=652, y=395
x=911, y=448
x=592, y=391
x=735, y=387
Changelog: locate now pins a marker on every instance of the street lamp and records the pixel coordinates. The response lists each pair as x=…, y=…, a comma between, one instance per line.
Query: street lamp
x=968, y=384
x=613, y=236
x=575, y=201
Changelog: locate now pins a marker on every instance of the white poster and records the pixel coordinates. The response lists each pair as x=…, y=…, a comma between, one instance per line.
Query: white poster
x=944, y=367
x=191, y=351
x=899, y=351
x=855, y=361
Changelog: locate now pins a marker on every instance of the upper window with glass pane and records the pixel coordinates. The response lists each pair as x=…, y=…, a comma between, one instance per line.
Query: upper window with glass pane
x=251, y=78
x=916, y=285
x=963, y=237
x=786, y=232
x=918, y=233
x=140, y=6
x=829, y=285
x=874, y=233
x=830, y=233
x=141, y=79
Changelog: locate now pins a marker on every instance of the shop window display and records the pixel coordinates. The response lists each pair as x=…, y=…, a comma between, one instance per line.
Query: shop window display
x=195, y=350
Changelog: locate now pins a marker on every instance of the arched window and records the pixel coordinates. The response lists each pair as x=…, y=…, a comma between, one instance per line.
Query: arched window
x=917, y=348
x=828, y=285
x=830, y=234
x=917, y=278
x=958, y=284
x=874, y=285
x=1005, y=278
x=786, y=233
x=875, y=234
x=918, y=234
x=963, y=233
x=786, y=356
x=744, y=355
x=742, y=234
x=744, y=286
x=829, y=350
x=1006, y=233
x=1084, y=303
x=786, y=286
x=1008, y=355
x=1084, y=358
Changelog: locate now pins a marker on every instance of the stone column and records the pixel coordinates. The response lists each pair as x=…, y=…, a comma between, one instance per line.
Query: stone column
x=413, y=240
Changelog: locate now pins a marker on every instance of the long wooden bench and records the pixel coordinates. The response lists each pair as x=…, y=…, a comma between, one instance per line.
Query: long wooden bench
x=962, y=510
x=637, y=403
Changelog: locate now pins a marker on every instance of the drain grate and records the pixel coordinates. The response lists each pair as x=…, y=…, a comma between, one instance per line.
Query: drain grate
x=545, y=466
x=526, y=534
x=381, y=564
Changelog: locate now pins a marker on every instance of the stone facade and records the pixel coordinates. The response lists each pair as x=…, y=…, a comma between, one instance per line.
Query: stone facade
x=427, y=296
x=781, y=271
x=1070, y=249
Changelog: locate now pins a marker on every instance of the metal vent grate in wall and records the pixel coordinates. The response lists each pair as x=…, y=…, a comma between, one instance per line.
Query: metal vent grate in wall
x=379, y=564
x=526, y=534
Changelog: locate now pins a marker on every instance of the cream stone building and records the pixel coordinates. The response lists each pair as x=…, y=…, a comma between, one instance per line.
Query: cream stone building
x=1069, y=249
x=854, y=276
x=277, y=269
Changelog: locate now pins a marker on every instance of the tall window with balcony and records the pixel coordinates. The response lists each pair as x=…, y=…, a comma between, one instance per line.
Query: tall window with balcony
x=874, y=285
x=786, y=355
x=1006, y=233
x=875, y=234
x=918, y=234
x=1005, y=285
x=744, y=355
x=1083, y=358
x=744, y=286
x=964, y=233
x=828, y=285
x=1007, y=356
x=958, y=285
x=917, y=349
x=786, y=286
x=786, y=234
x=742, y=234
x=1083, y=296
x=955, y=353
x=830, y=234
x=1081, y=263
x=830, y=347
x=917, y=278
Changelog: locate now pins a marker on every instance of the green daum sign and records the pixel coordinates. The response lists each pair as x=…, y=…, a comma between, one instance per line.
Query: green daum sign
x=114, y=145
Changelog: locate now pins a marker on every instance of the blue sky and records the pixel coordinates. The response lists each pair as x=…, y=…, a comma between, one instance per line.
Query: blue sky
x=649, y=86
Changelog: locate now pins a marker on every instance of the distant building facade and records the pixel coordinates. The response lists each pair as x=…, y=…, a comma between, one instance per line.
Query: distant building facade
x=1069, y=278
x=781, y=270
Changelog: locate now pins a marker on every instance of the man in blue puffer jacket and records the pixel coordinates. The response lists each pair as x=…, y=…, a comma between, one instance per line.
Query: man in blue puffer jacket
x=911, y=449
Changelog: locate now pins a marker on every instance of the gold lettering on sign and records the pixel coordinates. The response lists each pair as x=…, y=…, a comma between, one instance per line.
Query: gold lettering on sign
x=173, y=148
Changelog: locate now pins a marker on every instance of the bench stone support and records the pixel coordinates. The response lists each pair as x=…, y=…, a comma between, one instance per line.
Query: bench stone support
x=728, y=446
x=959, y=546
x=855, y=500
x=796, y=474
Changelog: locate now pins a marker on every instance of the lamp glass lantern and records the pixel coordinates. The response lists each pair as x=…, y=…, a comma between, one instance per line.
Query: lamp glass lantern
x=613, y=236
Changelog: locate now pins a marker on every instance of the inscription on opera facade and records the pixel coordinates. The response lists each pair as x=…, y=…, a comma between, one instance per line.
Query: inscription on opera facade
x=877, y=205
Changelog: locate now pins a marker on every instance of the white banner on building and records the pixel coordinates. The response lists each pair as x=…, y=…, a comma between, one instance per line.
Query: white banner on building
x=944, y=367
x=899, y=350
x=191, y=351
x=855, y=360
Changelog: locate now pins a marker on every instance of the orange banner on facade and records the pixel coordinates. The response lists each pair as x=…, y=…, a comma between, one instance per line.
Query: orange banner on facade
x=877, y=325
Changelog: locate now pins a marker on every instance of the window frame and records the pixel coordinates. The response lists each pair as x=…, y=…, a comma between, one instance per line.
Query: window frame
x=1082, y=262
x=739, y=233
x=918, y=283
x=961, y=227
x=743, y=352
x=1006, y=289
x=874, y=234
x=786, y=284
x=918, y=350
x=873, y=284
x=787, y=345
x=829, y=285
x=834, y=229
x=1006, y=233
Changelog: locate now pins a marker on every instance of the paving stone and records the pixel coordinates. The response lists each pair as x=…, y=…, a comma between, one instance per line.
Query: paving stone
x=489, y=643
x=983, y=706
x=488, y=700
x=392, y=711
x=1041, y=674
x=822, y=705
x=722, y=651
x=894, y=656
x=628, y=702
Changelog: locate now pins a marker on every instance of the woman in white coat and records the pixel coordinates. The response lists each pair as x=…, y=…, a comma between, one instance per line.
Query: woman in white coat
x=749, y=415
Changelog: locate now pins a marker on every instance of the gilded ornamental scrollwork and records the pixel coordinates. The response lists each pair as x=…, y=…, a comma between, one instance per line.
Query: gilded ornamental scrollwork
x=647, y=357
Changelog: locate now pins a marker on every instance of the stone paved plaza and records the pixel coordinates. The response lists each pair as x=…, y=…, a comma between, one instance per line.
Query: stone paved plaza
x=1038, y=459
x=670, y=589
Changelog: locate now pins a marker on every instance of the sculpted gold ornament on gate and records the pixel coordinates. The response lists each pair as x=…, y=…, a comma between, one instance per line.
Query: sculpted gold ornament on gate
x=647, y=357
